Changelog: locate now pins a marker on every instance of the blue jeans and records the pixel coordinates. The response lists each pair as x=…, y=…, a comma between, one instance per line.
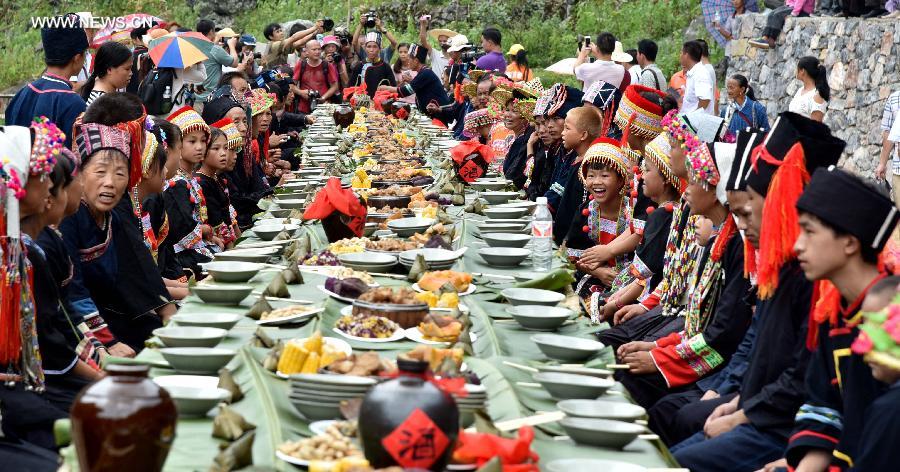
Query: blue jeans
x=744, y=448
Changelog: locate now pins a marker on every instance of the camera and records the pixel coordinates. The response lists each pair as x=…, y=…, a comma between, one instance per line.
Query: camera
x=370, y=18
x=314, y=97
x=472, y=54
x=327, y=24
x=584, y=42
x=336, y=57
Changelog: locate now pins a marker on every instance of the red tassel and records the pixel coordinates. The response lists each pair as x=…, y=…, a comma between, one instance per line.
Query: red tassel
x=749, y=259
x=725, y=234
x=585, y=212
x=780, y=227
x=650, y=210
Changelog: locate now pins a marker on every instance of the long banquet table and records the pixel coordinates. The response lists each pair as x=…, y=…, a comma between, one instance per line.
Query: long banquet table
x=499, y=342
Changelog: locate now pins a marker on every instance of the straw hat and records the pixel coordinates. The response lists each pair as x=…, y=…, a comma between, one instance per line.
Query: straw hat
x=438, y=32
x=619, y=54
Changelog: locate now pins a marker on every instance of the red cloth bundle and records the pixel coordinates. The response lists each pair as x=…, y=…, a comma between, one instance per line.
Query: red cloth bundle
x=515, y=454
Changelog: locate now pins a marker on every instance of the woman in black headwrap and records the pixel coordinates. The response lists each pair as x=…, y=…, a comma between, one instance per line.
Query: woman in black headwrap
x=247, y=182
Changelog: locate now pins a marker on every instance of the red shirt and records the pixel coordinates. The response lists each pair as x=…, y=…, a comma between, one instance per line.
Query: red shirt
x=313, y=79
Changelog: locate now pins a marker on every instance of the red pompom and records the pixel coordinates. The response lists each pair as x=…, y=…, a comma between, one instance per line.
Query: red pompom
x=591, y=197
x=585, y=229
x=193, y=200
x=634, y=194
x=635, y=169
x=585, y=212
x=650, y=209
x=670, y=207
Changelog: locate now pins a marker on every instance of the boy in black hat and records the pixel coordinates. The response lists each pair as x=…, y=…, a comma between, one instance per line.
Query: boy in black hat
x=51, y=95
x=752, y=428
x=845, y=224
x=431, y=97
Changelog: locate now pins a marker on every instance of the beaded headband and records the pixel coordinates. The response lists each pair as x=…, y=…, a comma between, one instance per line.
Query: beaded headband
x=260, y=101
x=150, y=147
x=640, y=115
x=233, y=139
x=188, y=120
x=608, y=152
x=700, y=163
x=659, y=151
x=478, y=118
x=49, y=141
x=675, y=127
x=9, y=179
x=879, y=337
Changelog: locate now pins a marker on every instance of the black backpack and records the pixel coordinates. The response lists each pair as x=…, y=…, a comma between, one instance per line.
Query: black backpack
x=154, y=86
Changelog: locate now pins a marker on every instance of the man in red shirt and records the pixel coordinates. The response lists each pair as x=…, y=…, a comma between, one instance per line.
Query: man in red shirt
x=310, y=74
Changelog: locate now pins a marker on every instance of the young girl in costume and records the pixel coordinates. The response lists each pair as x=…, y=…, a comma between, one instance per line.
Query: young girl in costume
x=183, y=197
x=208, y=176
x=604, y=174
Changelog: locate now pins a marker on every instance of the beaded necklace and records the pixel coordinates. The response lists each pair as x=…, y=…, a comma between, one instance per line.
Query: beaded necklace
x=697, y=314
x=151, y=239
x=678, y=260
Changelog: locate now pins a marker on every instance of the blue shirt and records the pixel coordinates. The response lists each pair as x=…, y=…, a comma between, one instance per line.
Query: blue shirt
x=728, y=380
x=751, y=115
x=50, y=96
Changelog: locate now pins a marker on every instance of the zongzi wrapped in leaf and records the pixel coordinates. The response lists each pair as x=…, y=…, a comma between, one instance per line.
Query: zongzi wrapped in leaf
x=261, y=306
x=277, y=287
x=229, y=424
x=235, y=456
x=226, y=381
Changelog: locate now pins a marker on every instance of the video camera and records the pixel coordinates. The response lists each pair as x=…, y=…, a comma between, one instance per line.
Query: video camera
x=327, y=24
x=371, y=16
x=472, y=54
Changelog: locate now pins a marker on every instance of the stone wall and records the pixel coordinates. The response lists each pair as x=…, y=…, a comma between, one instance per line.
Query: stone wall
x=862, y=58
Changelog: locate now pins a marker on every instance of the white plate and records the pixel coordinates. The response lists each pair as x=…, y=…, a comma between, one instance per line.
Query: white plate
x=291, y=459
x=334, y=295
x=289, y=319
x=397, y=336
x=319, y=427
x=417, y=336
x=348, y=310
x=468, y=291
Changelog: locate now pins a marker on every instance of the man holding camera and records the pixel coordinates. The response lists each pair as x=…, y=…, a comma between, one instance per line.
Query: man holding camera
x=248, y=56
x=217, y=56
x=493, y=59
x=603, y=68
x=315, y=81
x=438, y=57
x=368, y=22
x=332, y=47
x=280, y=47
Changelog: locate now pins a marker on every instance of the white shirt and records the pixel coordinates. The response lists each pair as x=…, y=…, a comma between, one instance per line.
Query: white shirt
x=634, y=72
x=804, y=103
x=894, y=135
x=607, y=71
x=439, y=62
x=698, y=87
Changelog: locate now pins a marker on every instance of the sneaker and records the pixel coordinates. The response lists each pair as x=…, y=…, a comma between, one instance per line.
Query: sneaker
x=761, y=43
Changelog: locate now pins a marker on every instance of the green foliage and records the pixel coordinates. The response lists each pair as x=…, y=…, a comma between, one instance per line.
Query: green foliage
x=539, y=25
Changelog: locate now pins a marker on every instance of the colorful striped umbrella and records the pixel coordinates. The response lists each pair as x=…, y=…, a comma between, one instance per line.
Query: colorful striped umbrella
x=180, y=50
x=120, y=28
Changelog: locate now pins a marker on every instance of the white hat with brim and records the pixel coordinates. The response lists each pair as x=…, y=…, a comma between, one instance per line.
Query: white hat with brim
x=619, y=54
x=458, y=43
x=16, y=144
x=437, y=33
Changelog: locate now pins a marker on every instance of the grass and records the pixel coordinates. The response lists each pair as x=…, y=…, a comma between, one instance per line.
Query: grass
x=536, y=24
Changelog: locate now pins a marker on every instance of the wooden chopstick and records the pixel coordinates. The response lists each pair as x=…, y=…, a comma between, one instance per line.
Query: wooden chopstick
x=521, y=367
x=278, y=299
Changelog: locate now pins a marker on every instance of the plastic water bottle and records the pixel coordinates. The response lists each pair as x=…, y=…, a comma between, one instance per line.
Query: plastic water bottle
x=542, y=237
x=167, y=99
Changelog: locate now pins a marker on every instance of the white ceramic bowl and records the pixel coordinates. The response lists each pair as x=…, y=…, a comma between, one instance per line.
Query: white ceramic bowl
x=504, y=256
x=567, y=348
x=232, y=271
x=197, y=360
x=539, y=317
x=224, y=321
x=495, y=198
x=532, y=296
x=368, y=261
x=601, y=433
x=591, y=465
x=290, y=203
x=505, y=213
x=506, y=239
x=268, y=232
x=262, y=254
x=190, y=336
x=222, y=294
x=566, y=386
x=405, y=227
x=620, y=411
x=194, y=395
